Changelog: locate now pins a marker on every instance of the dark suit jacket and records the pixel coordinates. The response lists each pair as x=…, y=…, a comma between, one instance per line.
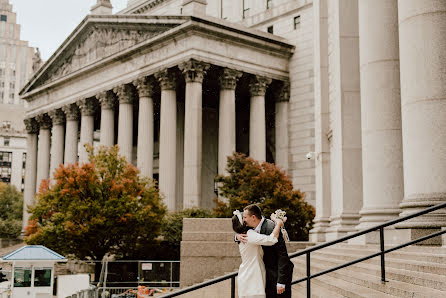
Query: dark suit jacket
x=279, y=268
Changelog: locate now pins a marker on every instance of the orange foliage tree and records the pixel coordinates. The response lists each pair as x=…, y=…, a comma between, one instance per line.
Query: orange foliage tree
x=265, y=184
x=97, y=208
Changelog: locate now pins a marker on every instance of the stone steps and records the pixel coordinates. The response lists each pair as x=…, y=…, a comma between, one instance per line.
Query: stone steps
x=412, y=272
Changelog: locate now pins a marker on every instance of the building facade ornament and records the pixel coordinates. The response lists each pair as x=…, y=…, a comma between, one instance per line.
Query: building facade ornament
x=31, y=125
x=283, y=92
x=258, y=85
x=229, y=78
x=44, y=121
x=167, y=79
x=125, y=93
x=71, y=112
x=87, y=106
x=57, y=116
x=145, y=86
x=107, y=99
x=98, y=43
x=194, y=70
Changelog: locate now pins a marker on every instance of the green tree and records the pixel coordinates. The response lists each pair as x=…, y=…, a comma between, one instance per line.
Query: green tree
x=11, y=206
x=97, y=208
x=250, y=182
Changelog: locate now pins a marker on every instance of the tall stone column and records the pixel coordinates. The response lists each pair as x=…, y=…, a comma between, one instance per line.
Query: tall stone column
x=71, y=133
x=321, y=122
x=125, y=121
x=168, y=137
x=107, y=100
x=257, y=120
x=382, y=155
x=422, y=29
x=194, y=72
x=281, y=125
x=32, y=128
x=345, y=118
x=226, y=119
x=145, y=88
x=43, y=149
x=58, y=139
x=87, y=107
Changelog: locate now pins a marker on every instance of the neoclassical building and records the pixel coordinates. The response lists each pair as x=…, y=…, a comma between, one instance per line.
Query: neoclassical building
x=181, y=84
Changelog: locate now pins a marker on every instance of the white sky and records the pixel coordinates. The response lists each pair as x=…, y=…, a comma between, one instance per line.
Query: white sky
x=47, y=23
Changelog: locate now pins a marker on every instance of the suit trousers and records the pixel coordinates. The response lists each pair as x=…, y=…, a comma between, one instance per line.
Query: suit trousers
x=272, y=293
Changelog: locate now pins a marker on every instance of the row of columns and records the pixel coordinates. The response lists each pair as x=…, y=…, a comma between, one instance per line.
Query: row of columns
x=402, y=108
x=64, y=147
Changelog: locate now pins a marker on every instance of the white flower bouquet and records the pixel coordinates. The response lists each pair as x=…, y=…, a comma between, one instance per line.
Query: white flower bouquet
x=280, y=214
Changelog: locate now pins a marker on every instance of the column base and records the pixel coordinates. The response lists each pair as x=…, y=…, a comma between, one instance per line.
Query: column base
x=392, y=236
x=317, y=233
x=373, y=217
x=341, y=226
x=418, y=202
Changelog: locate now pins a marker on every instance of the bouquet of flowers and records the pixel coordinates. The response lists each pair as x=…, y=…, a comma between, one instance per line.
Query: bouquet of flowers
x=280, y=214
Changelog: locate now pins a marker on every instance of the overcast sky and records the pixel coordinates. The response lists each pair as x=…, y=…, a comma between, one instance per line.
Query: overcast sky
x=47, y=23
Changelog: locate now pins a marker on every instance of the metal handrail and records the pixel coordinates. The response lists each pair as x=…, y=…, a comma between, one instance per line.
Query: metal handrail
x=308, y=252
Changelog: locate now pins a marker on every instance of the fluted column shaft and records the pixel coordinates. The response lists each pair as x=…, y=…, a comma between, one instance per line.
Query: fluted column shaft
x=380, y=112
x=194, y=72
x=71, y=133
x=32, y=129
x=87, y=127
x=226, y=118
x=281, y=126
x=125, y=121
x=145, y=126
x=257, y=120
x=107, y=101
x=58, y=139
x=422, y=29
x=43, y=149
x=168, y=138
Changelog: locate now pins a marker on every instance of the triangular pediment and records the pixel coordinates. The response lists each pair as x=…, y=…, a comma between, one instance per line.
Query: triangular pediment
x=97, y=38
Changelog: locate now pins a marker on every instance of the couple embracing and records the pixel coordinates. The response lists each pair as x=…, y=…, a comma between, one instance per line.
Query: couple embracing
x=266, y=270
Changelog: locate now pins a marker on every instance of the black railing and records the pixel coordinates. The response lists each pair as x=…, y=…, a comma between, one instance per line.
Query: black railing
x=308, y=252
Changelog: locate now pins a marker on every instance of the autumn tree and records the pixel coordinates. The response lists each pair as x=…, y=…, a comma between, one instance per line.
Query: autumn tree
x=97, y=208
x=11, y=211
x=251, y=182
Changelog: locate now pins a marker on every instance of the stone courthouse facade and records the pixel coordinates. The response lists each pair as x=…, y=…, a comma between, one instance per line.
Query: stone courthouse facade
x=181, y=84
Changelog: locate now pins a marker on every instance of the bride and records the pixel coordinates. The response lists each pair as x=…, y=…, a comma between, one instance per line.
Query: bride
x=251, y=274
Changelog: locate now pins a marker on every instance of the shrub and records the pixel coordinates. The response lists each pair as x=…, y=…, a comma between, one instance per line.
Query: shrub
x=11, y=206
x=250, y=182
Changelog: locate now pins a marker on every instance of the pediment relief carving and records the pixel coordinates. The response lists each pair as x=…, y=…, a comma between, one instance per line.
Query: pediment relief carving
x=99, y=43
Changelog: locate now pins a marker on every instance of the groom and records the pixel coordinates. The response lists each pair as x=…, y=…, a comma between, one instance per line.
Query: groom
x=279, y=268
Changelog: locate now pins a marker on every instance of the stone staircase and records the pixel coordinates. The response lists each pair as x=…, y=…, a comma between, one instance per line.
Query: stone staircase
x=415, y=271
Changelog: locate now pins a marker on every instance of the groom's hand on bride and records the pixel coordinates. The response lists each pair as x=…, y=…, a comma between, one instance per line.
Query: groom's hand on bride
x=242, y=238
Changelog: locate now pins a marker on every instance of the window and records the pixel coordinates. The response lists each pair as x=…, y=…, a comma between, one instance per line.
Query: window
x=3, y=18
x=6, y=124
x=2, y=84
x=22, y=277
x=270, y=29
x=6, y=141
x=269, y=4
x=11, y=85
x=42, y=277
x=296, y=22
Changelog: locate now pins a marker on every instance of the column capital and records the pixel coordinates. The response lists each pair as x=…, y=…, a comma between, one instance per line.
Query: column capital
x=107, y=99
x=87, y=106
x=283, y=92
x=167, y=79
x=229, y=78
x=194, y=70
x=57, y=116
x=145, y=86
x=71, y=112
x=31, y=125
x=258, y=85
x=124, y=93
x=44, y=121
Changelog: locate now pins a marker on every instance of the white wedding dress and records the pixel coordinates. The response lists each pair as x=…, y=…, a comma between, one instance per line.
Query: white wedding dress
x=251, y=274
